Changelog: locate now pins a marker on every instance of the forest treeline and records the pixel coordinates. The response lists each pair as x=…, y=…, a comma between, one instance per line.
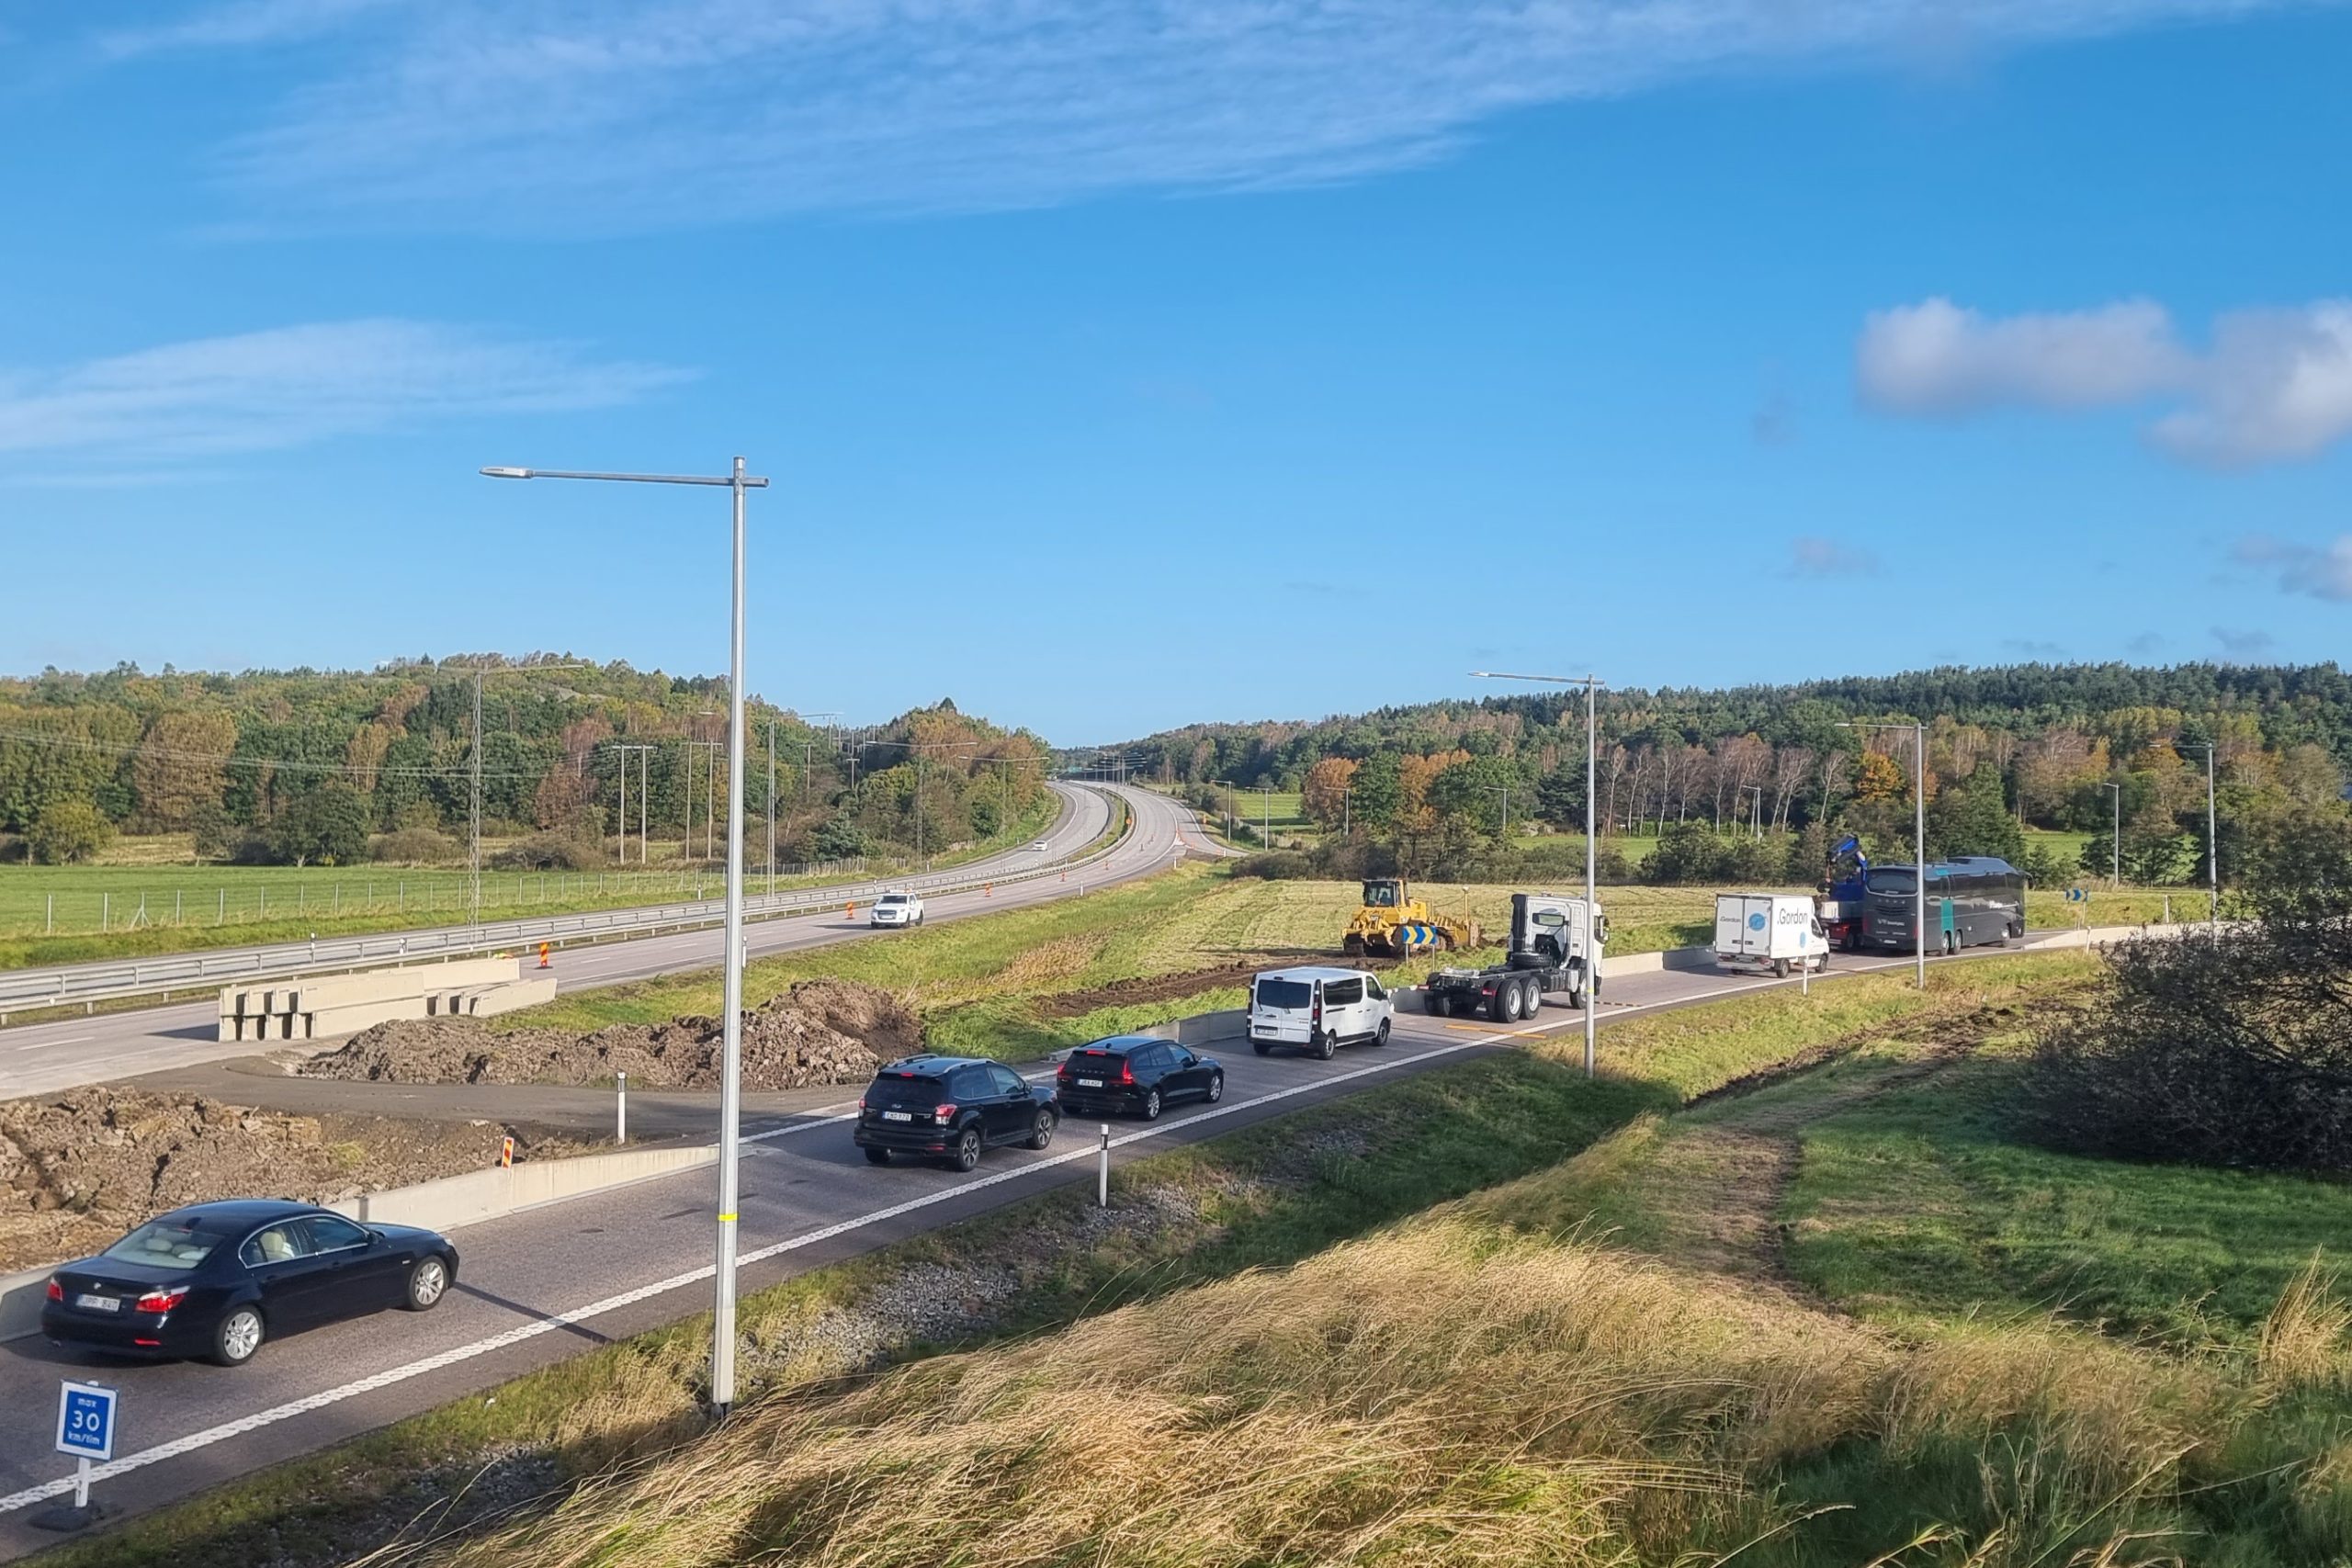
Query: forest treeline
x=1769, y=768
x=304, y=765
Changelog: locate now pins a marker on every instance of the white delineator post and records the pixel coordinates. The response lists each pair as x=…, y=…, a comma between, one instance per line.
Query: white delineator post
x=1102, y=1173
x=620, y=1115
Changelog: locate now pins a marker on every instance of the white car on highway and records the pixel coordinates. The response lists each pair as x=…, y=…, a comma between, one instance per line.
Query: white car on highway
x=896, y=909
x=1037, y=848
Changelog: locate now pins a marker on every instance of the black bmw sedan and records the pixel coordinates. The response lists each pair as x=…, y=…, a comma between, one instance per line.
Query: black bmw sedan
x=215, y=1280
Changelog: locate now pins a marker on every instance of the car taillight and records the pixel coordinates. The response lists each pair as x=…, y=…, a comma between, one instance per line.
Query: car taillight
x=56, y=1291
x=162, y=1301
x=944, y=1114
x=861, y=1102
x=1126, y=1071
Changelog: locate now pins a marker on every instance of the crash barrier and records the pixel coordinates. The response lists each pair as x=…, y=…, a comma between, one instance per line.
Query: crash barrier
x=321, y=1007
x=90, y=985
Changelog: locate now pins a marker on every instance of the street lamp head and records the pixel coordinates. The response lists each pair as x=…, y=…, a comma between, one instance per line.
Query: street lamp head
x=506, y=473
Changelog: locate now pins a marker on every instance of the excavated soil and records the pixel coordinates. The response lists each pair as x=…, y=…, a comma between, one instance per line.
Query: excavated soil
x=821, y=1031
x=1169, y=988
x=79, y=1168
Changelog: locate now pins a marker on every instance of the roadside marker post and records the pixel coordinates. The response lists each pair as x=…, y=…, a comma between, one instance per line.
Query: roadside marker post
x=620, y=1118
x=1103, y=1175
x=84, y=1432
x=543, y=957
x=506, y=1152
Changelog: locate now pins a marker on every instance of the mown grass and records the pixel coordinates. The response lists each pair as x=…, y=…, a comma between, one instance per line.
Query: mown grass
x=1484, y=1384
x=189, y=908
x=1261, y=1197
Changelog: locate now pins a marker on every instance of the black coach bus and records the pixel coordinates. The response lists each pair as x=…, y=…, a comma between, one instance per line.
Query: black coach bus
x=1972, y=900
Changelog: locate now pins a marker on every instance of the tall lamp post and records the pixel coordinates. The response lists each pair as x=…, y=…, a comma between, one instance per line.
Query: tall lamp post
x=730, y=1081
x=473, y=835
x=1919, y=834
x=1591, y=684
x=2115, y=843
x=2212, y=850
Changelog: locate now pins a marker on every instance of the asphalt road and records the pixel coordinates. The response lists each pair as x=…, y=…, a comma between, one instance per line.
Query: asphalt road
x=43, y=1058
x=544, y=1284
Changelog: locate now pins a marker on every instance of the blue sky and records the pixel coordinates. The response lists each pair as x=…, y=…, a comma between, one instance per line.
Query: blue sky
x=1133, y=364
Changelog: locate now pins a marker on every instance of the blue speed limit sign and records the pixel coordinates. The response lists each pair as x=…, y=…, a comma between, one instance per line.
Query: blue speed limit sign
x=85, y=1421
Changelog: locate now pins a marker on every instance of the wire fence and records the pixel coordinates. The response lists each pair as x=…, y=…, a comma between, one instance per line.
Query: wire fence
x=131, y=903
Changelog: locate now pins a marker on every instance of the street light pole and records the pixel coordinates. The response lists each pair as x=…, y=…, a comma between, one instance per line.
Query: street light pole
x=2115, y=843
x=1591, y=684
x=2212, y=854
x=730, y=1083
x=1918, y=730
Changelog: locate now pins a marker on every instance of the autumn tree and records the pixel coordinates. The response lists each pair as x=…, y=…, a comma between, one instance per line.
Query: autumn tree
x=179, y=767
x=67, y=831
x=1324, y=798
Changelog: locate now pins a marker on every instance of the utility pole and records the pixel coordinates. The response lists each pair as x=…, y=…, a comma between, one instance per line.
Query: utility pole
x=644, y=798
x=1918, y=730
x=473, y=836
x=772, y=802
x=2212, y=854
x=2115, y=877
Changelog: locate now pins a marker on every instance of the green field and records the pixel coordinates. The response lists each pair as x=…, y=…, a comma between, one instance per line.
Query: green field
x=67, y=914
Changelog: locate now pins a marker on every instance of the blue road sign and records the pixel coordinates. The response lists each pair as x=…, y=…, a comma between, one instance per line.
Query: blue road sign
x=86, y=1420
x=2075, y=896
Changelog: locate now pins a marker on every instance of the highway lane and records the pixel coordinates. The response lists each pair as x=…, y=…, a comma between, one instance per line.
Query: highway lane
x=549, y=1282
x=45, y=1057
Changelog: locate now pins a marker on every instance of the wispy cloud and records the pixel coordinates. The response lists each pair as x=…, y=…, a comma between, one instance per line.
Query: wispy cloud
x=2323, y=573
x=291, y=386
x=243, y=23
x=605, y=115
x=2242, y=643
x=2276, y=383
x=1810, y=556
x=2033, y=648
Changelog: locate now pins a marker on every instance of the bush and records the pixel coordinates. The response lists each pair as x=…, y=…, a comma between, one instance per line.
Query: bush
x=549, y=852
x=1693, y=853
x=414, y=846
x=1274, y=865
x=69, y=830
x=327, y=826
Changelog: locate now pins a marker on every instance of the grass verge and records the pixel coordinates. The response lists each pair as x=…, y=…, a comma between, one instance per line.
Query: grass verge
x=1261, y=1198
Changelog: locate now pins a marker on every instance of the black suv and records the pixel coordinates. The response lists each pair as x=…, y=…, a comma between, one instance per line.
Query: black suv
x=951, y=1108
x=1137, y=1073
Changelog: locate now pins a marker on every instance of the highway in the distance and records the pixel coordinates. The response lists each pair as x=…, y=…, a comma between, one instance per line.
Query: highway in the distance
x=553, y=1282
x=45, y=1057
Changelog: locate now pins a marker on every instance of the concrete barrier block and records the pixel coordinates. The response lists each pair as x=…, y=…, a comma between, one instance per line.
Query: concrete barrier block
x=456, y=1200
x=20, y=1299
x=528, y=992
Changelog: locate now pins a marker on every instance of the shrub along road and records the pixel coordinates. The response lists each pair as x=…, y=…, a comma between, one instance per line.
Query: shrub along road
x=544, y=1284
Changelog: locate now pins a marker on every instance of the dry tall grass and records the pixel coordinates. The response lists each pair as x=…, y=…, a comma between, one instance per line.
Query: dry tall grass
x=1439, y=1395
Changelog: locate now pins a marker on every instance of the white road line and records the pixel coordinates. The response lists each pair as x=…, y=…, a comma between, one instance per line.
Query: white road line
x=532, y=1330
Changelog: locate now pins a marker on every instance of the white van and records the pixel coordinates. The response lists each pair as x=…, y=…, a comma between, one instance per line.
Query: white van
x=1769, y=930
x=1318, y=1010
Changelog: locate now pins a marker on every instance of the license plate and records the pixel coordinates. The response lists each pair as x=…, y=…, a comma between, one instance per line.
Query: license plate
x=98, y=1304
x=1089, y=1083
x=898, y=1116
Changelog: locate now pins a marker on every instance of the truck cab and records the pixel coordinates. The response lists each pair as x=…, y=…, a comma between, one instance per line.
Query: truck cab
x=1556, y=945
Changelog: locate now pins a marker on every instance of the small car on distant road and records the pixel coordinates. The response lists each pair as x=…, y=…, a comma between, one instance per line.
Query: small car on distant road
x=1135, y=1074
x=1039, y=847
x=896, y=909
x=952, y=1108
x=214, y=1280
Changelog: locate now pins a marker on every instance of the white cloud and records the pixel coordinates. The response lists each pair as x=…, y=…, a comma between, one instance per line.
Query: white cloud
x=291, y=386
x=243, y=23
x=2276, y=383
x=1937, y=358
x=601, y=115
x=2304, y=569
x=1810, y=556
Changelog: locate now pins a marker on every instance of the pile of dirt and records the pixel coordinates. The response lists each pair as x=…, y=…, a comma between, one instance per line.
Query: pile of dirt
x=821, y=1031
x=79, y=1168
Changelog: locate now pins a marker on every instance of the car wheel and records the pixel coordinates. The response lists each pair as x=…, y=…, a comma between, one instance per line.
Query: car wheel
x=1327, y=1043
x=1380, y=1035
x=1262, y=1047
x=877, y=1157
x=1041, y=1132
x=1151, y=1105
x=967, y=1150
x=238, y=1337
x=1216, y=1088
x=1441, y=1006
x=1781, y=968
x=428, y=1281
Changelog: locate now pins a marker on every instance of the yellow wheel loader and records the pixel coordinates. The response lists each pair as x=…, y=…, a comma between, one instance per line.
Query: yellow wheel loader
x=1394, y=925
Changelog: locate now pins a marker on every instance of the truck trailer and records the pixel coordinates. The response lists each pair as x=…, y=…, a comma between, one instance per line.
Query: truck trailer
x=1555, y=943
x=1780, y=932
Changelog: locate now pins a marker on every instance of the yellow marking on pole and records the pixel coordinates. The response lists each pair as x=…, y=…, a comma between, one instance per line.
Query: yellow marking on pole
x=726, y=1219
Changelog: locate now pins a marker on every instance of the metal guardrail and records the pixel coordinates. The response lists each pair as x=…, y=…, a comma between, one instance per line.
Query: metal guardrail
x=91, y=983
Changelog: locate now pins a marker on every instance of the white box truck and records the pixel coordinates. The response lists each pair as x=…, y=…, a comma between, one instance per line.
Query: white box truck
x=1780, y=932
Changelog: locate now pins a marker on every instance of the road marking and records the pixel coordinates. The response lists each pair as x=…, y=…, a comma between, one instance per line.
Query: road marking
x=69, y=1040
x=524, y=1332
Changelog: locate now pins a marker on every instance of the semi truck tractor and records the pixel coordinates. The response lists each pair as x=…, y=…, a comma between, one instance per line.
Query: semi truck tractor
x=1555, y=945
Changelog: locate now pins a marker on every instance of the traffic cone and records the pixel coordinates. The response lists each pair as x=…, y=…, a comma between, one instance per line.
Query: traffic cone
x=543, y=957
x=988, y=889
